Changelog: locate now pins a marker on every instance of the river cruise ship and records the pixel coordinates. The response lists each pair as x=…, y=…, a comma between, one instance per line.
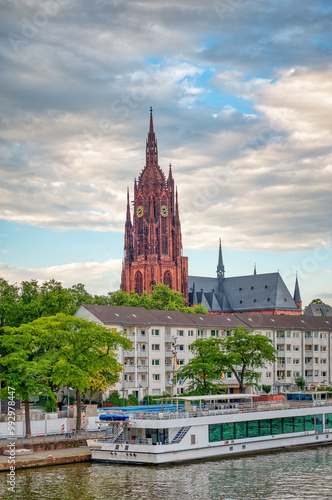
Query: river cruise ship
x=216, y=426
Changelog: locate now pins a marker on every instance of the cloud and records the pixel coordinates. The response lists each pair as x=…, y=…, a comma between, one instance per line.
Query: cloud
x=103, y=276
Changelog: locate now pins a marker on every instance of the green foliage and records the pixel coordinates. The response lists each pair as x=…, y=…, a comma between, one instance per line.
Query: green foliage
x=266, y=388
x=241, y=353
x=205, y=370
x=115, y=399
x=300, y=382
x=59, y=350
x=30, y=301
x=246, y=352
x=132, y=400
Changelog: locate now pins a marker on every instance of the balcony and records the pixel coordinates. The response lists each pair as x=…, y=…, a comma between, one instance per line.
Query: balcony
x=169, y=354
x=141, y=338
x=142, y=383
x=142, y=353
x=281, y=365
x=129, y=368
x=169, y=338
x=129, y=383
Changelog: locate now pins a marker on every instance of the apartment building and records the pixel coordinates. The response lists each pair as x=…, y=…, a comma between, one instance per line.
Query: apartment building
x=162, y=340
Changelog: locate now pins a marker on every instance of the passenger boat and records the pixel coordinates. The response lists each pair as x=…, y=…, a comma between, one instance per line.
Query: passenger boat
x=219, y=426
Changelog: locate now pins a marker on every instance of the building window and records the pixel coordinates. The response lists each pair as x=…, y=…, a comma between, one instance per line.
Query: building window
x=323, y=348
x=323, y=335
x=280, y=335
x=288, y=347
x=155, y=332
x=280, y=347
x=155, y=376
x=316, y=360
x=296, y=335
x=139, y=282
x=308, y=360
x=323, y=361
x=155, y=347
x=155, y=362
x=214, y=333
x=168, y=279
x=288, y=334
x=323, y=374
x=180, y=347
x=316, y=347
x=180, y=362
x=316, y=335
x=288, y=361
x=308, y=335
x=268, y=374
x=142, y=332
x=316, y=373
x=180, y=333
x=296, y=347
x=308, y=373
x=200, y=333
x=288, y=373
x=296, y=361
x=190, y=333
x=296, y=374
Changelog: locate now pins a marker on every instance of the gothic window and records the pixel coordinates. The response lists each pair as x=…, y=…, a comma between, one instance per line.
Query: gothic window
x=168, y=279
x=139, y=283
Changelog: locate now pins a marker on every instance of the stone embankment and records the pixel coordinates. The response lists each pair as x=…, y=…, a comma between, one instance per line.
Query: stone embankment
x=46, y=453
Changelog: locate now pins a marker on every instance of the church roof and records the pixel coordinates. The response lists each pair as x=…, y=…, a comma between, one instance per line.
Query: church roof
x=242, y=293
x=318, y=310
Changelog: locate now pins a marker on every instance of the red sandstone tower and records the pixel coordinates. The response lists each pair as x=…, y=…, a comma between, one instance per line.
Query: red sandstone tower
x=153, y=242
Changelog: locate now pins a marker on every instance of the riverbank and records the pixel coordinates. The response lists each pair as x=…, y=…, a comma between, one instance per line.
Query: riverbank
x=46, y=453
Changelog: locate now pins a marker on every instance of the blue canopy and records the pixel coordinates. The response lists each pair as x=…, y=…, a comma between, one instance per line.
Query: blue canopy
x=112, y=416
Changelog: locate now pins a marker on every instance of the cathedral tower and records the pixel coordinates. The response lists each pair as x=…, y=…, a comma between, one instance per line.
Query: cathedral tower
x=153, y=242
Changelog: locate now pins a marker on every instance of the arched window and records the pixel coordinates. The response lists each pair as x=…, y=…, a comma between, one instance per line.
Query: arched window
x=168, y=279
x=139, y=283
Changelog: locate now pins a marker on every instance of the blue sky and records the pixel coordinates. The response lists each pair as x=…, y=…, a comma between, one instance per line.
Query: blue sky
x=242, y=99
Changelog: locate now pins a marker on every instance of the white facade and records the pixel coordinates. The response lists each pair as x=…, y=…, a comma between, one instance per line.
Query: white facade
x=161, y=337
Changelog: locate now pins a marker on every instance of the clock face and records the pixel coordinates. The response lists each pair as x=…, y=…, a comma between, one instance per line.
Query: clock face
x=139, y=211
x=163, y=211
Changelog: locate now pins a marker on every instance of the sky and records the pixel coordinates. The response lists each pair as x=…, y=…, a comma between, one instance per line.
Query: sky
x=242, y=102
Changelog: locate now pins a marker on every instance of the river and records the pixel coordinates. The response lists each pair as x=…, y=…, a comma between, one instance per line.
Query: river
x=305, y=474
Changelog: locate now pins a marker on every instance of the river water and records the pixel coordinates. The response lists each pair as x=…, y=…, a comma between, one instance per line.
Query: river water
x=305, y=474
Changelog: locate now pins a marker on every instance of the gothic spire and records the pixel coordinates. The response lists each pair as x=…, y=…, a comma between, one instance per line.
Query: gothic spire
x=128, y=207
x=220, y=267
x=297, y=295
x=255, y=271
x=151, y=145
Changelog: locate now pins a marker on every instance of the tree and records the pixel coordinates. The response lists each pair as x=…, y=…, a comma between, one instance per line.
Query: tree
x=300, y=382
x=83, y=354
x=23, y=364
x=266, y=388
x=245, y=352
x=206, y=370
x=9, y=310
x=59, y=351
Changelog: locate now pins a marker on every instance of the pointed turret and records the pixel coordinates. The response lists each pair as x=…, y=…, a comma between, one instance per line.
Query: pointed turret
x=255, y=271
x=128, y=219
x=297, y=295
x=151, y=145
x=220, y=267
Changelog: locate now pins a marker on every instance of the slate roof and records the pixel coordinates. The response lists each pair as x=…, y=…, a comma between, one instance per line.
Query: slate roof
x=318, y=310
x=255, y=292
x=284, y=322
x=138, y=316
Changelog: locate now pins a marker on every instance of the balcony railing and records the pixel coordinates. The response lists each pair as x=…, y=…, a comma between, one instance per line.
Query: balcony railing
x=129, y=383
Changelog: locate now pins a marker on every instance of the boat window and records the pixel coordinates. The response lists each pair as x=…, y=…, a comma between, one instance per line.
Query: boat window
x=328, y=421
x=193, y=439
x=253, y=428
x=241, y=430
x=228, y=431
x=298, y=424
x=276, y=426
x=309, y=422
x=265, y=427
x=288, y=424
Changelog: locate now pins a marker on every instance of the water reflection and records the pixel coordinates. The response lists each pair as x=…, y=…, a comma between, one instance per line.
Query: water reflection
x=302, y=475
